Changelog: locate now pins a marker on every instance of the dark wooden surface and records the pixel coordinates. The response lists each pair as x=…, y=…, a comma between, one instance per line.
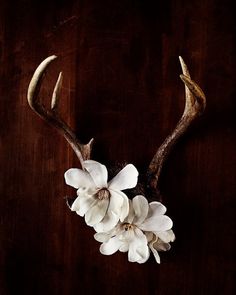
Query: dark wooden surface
x=121, y=86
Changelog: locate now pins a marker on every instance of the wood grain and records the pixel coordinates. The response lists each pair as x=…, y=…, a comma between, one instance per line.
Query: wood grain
x=120, y=63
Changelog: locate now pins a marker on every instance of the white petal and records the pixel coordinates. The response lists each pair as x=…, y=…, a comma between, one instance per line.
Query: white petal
x=78, y=178
x=126, y=178
x=87, y=190
x=166, y=236
x=96, y=213
x=156, y=255
x=130, y=217
x=98, y=172
x=133, y=256
x=116, y=202
x=83, y=203
x=154, y=251
x=125, y=207
x=144, y=253
x=157, y=223
x=109, y=221
x=140, y=205
x=111, y=246
x=75, y=205
x=102, y=237
x=113, y=213
x=156, y=208
x=124, y=247
x=138, y=249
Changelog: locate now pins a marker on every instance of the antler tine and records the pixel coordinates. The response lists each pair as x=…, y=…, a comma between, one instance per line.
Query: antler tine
x=82, y=151
x=195, y=103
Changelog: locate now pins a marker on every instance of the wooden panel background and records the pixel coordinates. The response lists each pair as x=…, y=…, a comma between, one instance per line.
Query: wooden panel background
x=121, y=86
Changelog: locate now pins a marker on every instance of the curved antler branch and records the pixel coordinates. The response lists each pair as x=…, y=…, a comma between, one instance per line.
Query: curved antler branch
x=51, y=116
x=195, y=103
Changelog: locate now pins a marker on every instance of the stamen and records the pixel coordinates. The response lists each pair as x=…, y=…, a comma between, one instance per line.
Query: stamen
x=127, y=226
x=103, y=194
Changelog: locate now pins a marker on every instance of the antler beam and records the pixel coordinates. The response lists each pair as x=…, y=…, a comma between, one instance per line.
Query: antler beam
x=51, y=116
x=195, y=103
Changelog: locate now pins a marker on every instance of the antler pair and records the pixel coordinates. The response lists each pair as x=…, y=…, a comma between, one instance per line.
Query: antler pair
x=195, y=103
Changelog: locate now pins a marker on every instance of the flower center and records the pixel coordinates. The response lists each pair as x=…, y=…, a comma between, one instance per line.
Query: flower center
x=127, y=226
x=103, y=194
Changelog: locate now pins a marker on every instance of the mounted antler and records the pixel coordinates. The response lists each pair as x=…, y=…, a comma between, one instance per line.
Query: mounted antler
x=195, y=103
x=83, y=151
x=121, y=224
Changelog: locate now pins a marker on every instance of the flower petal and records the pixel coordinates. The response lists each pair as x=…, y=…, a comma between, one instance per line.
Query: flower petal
x=140, y=205
x=75, y=205
x=156, y=208
x=98, y=172
x=126, y=178
x=116, y=202
x=83, y=203
x=109, y=221
x=78, y=178
x=125, y=207
x=113, y=213
x=130, y=217
x=156, y=255
x=96, y=213
x=138, y=249
x=166, y=236
x=111, y=246
x=154, y=251
x=161, y=246
x=157, y=223
x=124, y=247
x=144, y=254
x=102, y=237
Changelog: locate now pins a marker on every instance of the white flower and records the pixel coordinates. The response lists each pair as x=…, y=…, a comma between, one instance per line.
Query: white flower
x=145, y=228
x=103, y=203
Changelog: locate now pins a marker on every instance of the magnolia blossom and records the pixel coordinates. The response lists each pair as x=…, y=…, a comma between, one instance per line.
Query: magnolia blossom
x=145, y=228
x=101, y=202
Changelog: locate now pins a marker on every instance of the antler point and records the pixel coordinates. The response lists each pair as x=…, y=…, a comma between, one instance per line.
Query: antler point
x=56, y=92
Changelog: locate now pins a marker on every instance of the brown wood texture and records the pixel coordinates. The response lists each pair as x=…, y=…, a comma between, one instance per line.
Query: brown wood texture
x=121, y=86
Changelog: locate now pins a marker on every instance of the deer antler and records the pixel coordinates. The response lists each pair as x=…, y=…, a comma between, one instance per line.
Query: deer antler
x=195, y=103
x=51, y=116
